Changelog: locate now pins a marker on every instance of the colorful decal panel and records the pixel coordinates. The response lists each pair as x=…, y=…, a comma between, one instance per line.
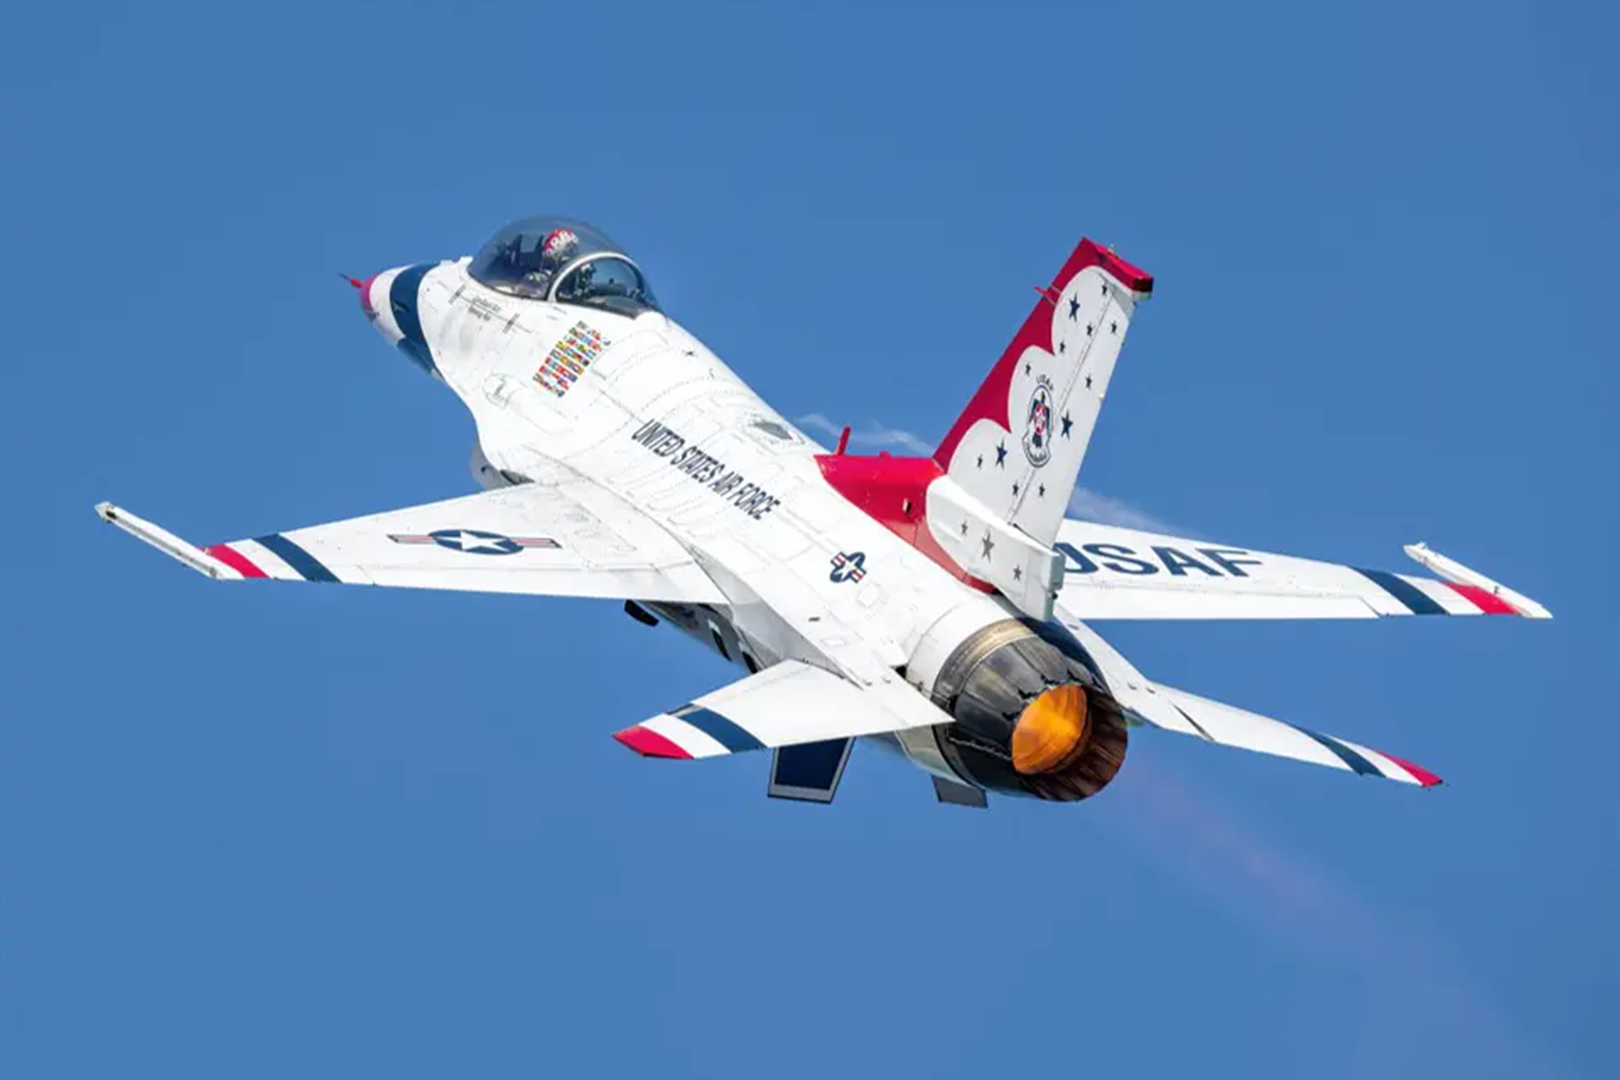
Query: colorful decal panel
x=569, y=358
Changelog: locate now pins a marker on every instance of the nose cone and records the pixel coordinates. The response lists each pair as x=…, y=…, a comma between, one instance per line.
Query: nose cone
x=390, y=301
x=374, y=301
x=364, y=288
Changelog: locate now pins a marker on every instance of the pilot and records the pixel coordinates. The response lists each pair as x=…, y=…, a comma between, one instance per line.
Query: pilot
x=555, y=252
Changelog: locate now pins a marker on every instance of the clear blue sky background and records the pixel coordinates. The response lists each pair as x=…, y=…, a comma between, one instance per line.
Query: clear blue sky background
x=269, y=831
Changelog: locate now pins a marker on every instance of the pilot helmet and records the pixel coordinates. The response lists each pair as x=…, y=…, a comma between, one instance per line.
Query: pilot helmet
x=560, y=246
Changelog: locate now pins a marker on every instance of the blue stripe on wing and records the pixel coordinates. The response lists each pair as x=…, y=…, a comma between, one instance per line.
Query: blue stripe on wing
x=1404, y=591
x=718, y=728
x=1360, y=764
x=296, y=557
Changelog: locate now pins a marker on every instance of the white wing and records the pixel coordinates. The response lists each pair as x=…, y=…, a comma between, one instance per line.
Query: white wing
x=532, y=539
x=1116, y=573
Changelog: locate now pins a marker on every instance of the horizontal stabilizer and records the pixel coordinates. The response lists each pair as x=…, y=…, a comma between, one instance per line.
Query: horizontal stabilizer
x=1176, y=710
x=788, y=704
x=1231, y=726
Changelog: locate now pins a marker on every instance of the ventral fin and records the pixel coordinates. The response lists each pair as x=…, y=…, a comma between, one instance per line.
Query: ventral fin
x=809, y=772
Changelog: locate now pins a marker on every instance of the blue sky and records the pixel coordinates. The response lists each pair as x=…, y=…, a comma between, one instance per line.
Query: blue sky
x=259, y=831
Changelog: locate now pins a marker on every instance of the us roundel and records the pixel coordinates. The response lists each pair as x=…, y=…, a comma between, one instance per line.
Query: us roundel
x=1038, y=424
x=475, y=541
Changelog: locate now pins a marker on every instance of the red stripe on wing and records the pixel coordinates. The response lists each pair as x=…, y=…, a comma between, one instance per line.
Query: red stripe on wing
x=235, y=560
x=1484, y=599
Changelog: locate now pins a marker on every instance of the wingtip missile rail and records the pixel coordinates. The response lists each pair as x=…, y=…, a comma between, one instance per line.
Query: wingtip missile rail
x=1452, y=570
x=165, y=541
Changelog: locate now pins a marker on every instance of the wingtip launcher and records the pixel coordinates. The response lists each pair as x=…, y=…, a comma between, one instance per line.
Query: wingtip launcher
x=165, y=541
x=1454, y=571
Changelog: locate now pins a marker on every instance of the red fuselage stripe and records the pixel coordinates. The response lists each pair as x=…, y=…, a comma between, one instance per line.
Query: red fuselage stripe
x=893, y=491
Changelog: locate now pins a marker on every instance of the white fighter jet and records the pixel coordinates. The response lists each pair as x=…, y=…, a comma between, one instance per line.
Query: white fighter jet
x=940, y=606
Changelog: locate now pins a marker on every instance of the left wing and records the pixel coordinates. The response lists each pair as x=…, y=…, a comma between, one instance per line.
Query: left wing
x=1117, y=573
x=532, y=539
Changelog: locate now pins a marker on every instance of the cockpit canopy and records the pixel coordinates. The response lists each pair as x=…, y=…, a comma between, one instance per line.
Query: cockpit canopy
x=566, y=262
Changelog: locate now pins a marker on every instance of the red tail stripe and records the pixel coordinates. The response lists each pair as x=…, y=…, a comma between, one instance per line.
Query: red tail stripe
x=235, y=560
x=1127, y=275
x=990, y=400
x=1484, y=599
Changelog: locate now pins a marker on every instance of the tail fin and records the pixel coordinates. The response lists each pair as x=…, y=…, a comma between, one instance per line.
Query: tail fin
x=1018, y=446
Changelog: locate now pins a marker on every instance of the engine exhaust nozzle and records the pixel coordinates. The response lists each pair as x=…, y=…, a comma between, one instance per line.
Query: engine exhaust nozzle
x=1032, y=715
x=1051, y=731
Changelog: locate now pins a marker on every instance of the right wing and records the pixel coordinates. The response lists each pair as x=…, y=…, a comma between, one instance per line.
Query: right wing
x=1117, y=573
x=534, y=539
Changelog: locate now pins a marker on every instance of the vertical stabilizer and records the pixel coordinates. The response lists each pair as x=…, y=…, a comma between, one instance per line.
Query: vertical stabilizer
x=1018, y=446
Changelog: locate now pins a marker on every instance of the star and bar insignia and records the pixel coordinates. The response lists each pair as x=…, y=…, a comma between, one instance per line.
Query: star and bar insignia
x=475, y=541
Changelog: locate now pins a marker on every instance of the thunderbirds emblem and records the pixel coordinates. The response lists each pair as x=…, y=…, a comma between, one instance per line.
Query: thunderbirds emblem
x=1038, y=424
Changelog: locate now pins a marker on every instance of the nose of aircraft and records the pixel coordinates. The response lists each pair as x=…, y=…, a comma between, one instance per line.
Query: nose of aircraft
x=389, y=300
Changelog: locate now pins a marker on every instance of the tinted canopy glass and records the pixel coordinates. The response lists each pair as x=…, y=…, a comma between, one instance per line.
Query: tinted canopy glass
x=566, y=262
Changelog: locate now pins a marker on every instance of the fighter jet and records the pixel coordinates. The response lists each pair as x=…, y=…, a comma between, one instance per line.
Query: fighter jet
x=941, y=606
